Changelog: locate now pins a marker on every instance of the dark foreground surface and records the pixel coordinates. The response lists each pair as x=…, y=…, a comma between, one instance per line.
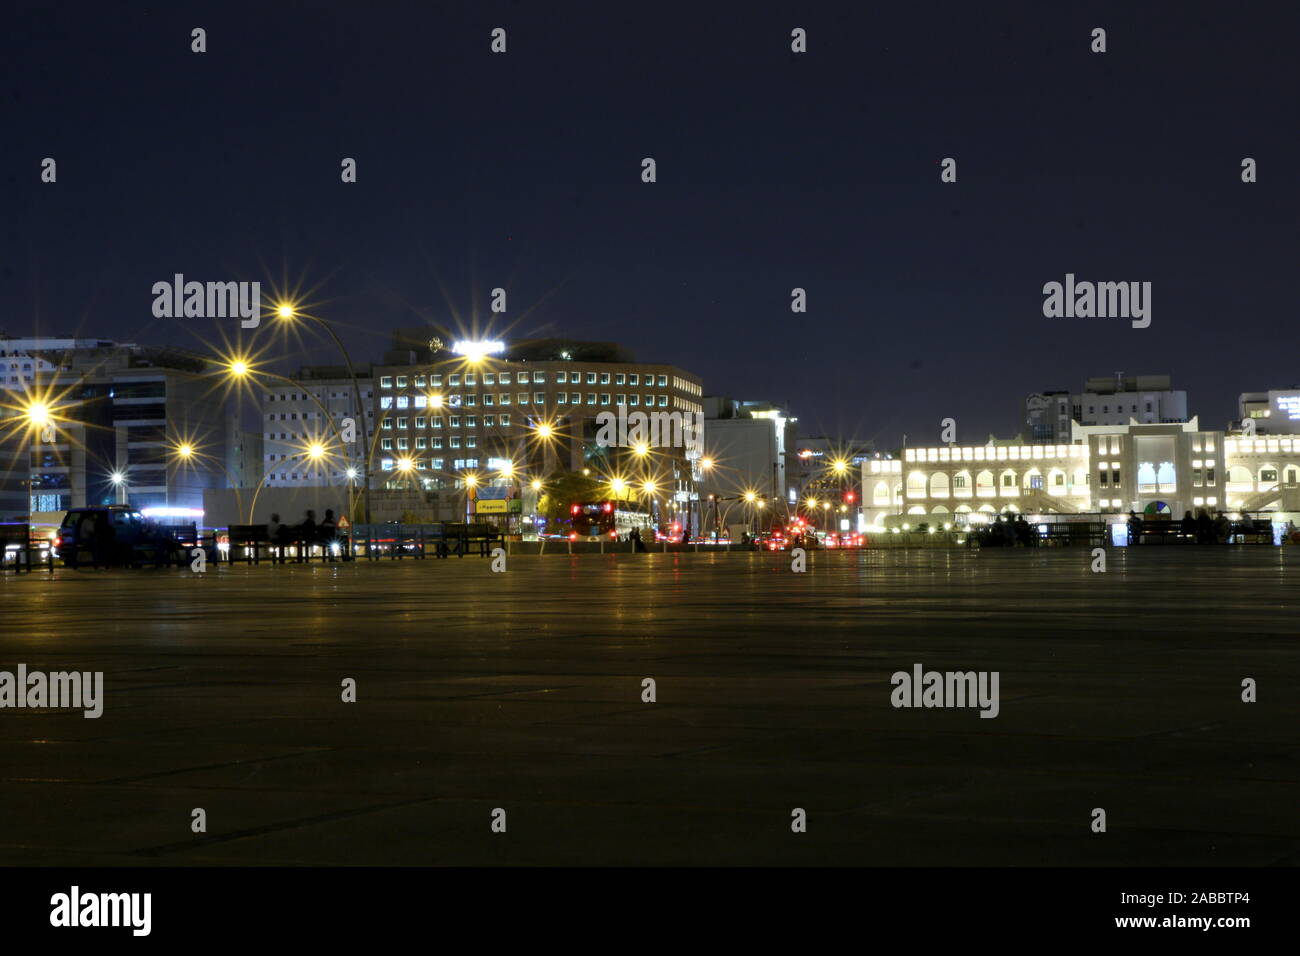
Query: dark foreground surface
x=522, y=691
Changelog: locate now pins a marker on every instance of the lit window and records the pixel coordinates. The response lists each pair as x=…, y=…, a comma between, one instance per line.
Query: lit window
x=401, y=381
x=386, y=382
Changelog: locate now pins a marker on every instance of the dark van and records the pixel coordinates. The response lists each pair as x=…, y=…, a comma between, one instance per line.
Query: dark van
x=112, y=534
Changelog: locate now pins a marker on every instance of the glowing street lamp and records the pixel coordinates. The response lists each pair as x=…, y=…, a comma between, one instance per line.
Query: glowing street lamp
x=285, y=311
x=38, y=415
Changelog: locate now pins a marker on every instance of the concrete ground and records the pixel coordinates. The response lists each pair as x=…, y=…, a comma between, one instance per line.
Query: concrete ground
x=522, y=691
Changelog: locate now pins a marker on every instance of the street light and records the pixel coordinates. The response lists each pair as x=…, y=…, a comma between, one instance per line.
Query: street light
x=288, y=312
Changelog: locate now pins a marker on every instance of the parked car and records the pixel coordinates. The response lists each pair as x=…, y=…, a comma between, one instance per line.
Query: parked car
x=112, y=534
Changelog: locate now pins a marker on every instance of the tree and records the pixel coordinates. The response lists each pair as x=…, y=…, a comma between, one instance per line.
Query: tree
x=563, y=488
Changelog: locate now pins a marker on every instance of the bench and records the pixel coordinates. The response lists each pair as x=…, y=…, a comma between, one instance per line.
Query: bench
x=484, y=536
x=252, y=538
x=16, y=540
x=1162, y=532
x=1071, y=533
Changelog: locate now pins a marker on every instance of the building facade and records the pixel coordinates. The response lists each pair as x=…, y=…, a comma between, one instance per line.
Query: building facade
x=1154, y=469
x=1107, y=400
x=119, y=413
x=456, y=425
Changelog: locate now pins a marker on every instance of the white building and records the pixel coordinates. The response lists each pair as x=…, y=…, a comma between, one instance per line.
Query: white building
x=1108, y=400
x=294, y=418
x=1275, y=412
x=1158, y=468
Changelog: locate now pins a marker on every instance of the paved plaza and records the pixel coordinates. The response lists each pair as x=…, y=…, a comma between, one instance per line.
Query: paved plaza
x=523, y=691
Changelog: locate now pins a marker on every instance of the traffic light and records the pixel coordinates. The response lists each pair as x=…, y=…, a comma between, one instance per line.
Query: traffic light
x=575, y=509
x=848, y=496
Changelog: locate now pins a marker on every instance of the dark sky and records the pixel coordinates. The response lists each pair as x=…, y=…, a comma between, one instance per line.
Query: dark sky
x=775, y=170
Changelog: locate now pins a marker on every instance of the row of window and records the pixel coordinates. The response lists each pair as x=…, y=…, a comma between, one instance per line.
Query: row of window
x=455, y=379
x=419, y=464
x=386, y=444
x=453, y=421
x=304, y=397
x=504, y=398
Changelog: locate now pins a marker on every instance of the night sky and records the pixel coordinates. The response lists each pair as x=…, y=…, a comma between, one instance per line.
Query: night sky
x=775, y=170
